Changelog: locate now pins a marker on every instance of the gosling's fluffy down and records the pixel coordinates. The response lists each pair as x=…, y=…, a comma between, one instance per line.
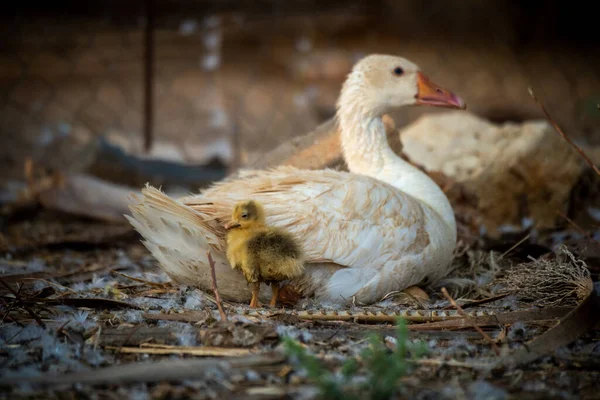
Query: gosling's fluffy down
x=262, y=253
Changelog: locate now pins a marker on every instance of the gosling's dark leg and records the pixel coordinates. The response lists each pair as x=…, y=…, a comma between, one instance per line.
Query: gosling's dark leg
x=254, y=303
x=275, y=289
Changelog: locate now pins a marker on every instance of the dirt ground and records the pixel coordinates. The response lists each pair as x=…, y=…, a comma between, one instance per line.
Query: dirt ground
x=85, y=312
x=92, y=297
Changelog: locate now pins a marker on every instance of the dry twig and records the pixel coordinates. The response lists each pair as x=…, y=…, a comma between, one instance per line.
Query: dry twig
x=533, y=314
x=474, y=303
x=520, y=242
x=204, y=351
x=153, y=284
x=564, y=136
x=577, y=227
x=463, y=313
x=214, y=286
x=18, y=299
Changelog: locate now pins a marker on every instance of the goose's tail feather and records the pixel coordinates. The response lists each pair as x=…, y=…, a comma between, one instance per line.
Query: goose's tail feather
x=179, y=238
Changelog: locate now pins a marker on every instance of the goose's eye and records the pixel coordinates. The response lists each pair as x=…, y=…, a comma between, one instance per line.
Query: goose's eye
x=398, y=71
x=245, y=216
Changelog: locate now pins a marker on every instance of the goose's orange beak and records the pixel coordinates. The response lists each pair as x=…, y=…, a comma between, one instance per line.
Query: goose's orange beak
x=431, y=94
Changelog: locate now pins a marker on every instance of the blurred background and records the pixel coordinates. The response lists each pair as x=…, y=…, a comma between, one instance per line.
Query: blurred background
x=218, y=83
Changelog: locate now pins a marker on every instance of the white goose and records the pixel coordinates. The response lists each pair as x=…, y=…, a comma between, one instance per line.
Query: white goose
x=384, y=226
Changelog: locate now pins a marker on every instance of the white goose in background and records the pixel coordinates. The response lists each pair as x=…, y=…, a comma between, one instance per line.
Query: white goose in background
x=382, y=227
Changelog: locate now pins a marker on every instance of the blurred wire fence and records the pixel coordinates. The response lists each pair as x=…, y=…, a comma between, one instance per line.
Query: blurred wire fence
x=233, y=85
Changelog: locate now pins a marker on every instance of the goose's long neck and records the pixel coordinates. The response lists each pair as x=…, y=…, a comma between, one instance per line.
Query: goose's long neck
x=367, y=152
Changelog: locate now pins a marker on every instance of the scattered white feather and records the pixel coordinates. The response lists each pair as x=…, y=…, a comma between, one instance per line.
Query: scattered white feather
x=16, y=334
x=132, y=316
x=212, y=21
x=64, y=129
x=517, y=331
x=211, y=61
x=123, y=260
x=35, y=265
x=294, y=333
x=535, y=386
x=134, y=392
x=163, y=304
x=25, y=372
x=185, y=333
x=80, y=287
x=510, y=303
x=46, y=137
x=252, y=375
x=460, y=345
x=527, y=223
x=480, y=390
x=193, y=301
x=212, y=39
x=594, y=213
x=80, y=317
x=303, y=45
x=93, y=357
x=98, y=282
x=188, y=27
x=55, y=348
x=218, y=118
x=508, y=228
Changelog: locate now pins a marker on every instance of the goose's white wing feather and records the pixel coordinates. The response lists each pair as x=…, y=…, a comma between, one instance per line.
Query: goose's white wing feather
x=385, y=239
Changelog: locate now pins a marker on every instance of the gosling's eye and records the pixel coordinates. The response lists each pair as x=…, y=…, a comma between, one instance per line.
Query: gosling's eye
x=245, y=216
x=398, y=71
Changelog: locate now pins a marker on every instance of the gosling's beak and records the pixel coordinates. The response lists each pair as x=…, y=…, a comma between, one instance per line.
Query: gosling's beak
x=431, y=94
x=232, y=225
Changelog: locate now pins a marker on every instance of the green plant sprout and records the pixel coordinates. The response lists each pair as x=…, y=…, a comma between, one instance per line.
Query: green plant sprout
x=381, y=368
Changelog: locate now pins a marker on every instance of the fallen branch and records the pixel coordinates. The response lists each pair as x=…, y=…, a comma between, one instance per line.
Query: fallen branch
x=447, y=363
x=474, y=303
x=420, y=318
x=564, y=136
x=119, y=337
x=154, y=284
x=463, y=313
x=576, y=323
x=163, y=370
x=203, y=351
x=213, y=275
x=535, y=314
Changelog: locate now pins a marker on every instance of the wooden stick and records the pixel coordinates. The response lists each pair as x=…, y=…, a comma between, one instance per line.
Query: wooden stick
x=193, y=351
x=450, y=363
x=464, y=314
x=436, y=319
x=154, y=371
x=154, y=284
x=213, y=274
x=577, y=227
x=564, y=136
x=482, y=301
x=579, y=321
x=520, y=242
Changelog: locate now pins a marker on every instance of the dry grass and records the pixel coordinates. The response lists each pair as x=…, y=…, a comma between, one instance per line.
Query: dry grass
x=564, y=280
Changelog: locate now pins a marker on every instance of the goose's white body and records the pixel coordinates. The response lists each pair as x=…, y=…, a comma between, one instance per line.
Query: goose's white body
x=382, y=227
